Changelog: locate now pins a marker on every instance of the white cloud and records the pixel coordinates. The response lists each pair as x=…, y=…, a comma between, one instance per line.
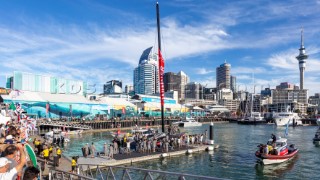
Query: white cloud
x=203, y=71
x=248, y=70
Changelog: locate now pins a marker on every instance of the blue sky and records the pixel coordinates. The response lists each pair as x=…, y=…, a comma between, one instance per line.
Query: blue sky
x=100, y=40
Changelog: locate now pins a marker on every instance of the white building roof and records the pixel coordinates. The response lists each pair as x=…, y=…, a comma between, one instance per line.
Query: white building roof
x=115, y=101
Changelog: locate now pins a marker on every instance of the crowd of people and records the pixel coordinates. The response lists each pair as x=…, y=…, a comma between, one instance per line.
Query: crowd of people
x=14, y=161
x=145, y=143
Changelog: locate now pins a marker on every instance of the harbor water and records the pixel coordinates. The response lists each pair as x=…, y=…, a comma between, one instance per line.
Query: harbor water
x=235, y=158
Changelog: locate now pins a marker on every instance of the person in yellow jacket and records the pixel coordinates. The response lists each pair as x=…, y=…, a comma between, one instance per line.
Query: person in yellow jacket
x=59, y=154
x=73, y=165
x=45, y=154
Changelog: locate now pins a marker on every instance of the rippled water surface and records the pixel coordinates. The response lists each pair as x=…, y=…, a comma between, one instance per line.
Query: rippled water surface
x=235, y=157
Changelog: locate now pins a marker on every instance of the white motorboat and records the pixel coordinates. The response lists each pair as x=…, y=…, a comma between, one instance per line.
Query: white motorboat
x=188, y=122
x=283, y=118
x=254, y=118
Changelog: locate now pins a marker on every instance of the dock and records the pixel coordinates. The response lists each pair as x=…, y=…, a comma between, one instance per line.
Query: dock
x=133, y=157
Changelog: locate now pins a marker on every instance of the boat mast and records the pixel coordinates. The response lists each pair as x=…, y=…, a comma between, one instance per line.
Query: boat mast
x=160, y=74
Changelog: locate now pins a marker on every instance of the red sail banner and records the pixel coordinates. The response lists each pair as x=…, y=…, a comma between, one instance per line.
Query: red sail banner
x=161, y=72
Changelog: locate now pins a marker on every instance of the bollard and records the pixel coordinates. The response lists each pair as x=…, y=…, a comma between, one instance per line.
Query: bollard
x=211, y=140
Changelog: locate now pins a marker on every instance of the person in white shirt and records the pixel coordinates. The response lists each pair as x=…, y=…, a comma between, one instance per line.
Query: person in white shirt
x=5, y=172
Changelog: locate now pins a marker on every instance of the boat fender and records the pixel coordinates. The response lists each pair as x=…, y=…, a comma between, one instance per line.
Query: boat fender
x=189, y=151
x=163, y=155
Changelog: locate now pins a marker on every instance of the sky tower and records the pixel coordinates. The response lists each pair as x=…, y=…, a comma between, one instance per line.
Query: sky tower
x=302, y=61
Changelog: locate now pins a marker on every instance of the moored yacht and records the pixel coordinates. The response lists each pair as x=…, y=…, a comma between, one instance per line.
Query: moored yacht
x=283, y=118
x=254, y=118
x=187, y=122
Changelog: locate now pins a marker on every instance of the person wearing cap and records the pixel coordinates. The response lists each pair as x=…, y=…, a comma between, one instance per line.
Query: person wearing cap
x=9, y=139
x=5, y=173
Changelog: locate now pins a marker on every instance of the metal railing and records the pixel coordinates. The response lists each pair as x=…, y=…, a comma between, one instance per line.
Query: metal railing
x=121, y=172
x=56, y=174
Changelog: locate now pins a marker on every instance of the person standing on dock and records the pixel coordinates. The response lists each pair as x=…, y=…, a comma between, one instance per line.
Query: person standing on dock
x=111, y=151
x=105, y=149
x=93, y=150
x=45, y=154
x=85, y=150
x=154, y=144
x=73, y=165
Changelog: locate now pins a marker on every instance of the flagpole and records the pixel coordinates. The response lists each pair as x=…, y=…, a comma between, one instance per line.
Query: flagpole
x=160, y=68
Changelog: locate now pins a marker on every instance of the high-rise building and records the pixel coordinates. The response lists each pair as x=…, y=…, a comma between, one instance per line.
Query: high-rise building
x=146, y=75
x=175, y=82
x=302, y=57
x=233, y=85
x=112, y=87
x=223, y=76
x=128, y=89
x=193, y=91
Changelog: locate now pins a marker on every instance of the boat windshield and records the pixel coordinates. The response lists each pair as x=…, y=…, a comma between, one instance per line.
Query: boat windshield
x=278, y=144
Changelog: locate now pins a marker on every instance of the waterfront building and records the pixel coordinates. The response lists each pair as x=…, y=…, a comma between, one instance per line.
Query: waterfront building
x=193, y=91
x=112, y=87
x=210, y=94
x=53, y=97
x=315, y=99
x=302, y=57
x=231, y=104
x=23, y=81
x=224, y=94
x=266, y=92
x=286, y=95
x=176, y=82
x=128, y=89
x=146, y=75
x=223, y=76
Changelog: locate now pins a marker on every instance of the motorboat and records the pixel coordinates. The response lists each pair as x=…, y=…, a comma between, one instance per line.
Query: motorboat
x=283, y=118
x=187, y=122
x=254, y=118
x=276, y=152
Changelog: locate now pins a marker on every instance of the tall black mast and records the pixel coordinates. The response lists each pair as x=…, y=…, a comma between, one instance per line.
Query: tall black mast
x=159, y=46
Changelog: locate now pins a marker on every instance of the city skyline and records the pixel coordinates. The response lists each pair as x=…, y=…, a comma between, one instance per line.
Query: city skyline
x=97, y=41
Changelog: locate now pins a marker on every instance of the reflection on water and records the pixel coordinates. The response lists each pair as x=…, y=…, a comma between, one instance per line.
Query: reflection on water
x=276, y=170
x=235, y=159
